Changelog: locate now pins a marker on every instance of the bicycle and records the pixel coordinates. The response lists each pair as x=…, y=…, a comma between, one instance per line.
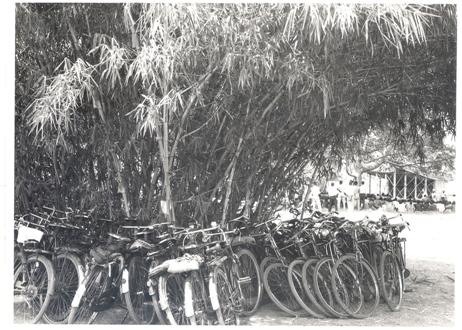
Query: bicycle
x=392, y=268
x=353, y=279
x=34, y=278
x=106, y=275
x=276, y=265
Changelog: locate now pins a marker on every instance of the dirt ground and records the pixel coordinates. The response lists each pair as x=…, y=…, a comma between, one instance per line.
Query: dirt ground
x=429, y=296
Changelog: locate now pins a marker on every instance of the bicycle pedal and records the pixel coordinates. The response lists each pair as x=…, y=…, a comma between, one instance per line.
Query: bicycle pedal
x=244, y=280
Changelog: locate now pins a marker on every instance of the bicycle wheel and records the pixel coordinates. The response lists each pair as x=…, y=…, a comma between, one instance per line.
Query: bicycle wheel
x=249, y=281
x=294, y=275
x=362, y=287
x=278, y=289
x=95, y=285
x=391, y=281
x=17, y=260
x=377, y=252
x=68, y=269
x=137, y=299
x=308, y=285
x=266, y=262
x=323, y=287
x=155, y=297
x=196, y=299
x=160, y=314
x=34, y=284
x=171, y=296
x=227, y=297
x=346, y=288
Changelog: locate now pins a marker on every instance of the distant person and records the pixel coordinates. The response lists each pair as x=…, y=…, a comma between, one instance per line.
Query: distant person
x=443, y=197
x=314, y=196
x=349, y=192
x=434, y=196
x=341, y=198
x=425, y=197
x=356, y=196
x=332, y=192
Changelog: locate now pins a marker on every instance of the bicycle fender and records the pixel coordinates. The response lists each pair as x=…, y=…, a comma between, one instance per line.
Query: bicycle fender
x=213, y=294
x=243, y=240
x=188, y=300
x=125, y=286
x=78, y=295
x=162, y=296
x=150, y=286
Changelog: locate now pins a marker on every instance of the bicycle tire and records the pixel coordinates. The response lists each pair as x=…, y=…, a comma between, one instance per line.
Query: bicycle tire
x=160, y=314
x=199, y=299
x=391, y=281
x=266, y=262
x=252, y=292
x=323, y=288
x=137, y=300
x=171, y=292
x=367, y=281
x=66, y=286
x=294, y=276
x=377, y=252
x=95, y=285
x=226, y=312
x=308, y=285
x=277, y=286
x=346, y=288
x=20, y=296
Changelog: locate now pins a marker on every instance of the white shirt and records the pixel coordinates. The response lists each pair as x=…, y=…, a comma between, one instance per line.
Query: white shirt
x=315, y=191
x=332, y=189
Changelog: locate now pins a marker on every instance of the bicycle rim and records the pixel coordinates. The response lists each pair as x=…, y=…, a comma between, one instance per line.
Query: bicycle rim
x=368, y=285
x=294, y=275
x=323, y=287
x=68, y=277
x=33, y=289
x=249, y=281
x=391, y=281
x=227, y=298
x=199, y=299
x=347, y=289
x=308, y=285
x=97, y=284
x=277, y=286
x=266, y=262
x=139, y=304
x=174, y=291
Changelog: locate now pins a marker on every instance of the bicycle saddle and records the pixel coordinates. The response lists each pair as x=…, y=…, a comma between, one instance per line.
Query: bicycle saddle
x=104, y=253
x=160, y=268
x=185, y=263
x=140, y=244
x=119, y=237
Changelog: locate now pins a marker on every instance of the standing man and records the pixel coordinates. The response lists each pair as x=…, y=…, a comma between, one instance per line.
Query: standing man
x=332, y=192
x=341, y=199
x=356, y=196
x=314, y=196
x=349, y=190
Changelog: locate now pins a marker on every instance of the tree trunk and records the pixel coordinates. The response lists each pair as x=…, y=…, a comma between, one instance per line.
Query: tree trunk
x=122, y=184
x=230, y=180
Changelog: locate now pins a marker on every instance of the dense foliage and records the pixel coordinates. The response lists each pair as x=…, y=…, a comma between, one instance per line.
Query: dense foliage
x=216, y=108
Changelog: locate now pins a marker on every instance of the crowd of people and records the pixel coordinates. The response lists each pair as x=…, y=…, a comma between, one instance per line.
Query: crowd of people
x=339, y=195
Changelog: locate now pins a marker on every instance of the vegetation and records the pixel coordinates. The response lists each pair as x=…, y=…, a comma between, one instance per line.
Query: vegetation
x=216, y=109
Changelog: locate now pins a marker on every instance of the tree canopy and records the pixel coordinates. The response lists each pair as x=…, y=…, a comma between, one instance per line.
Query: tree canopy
x=217, y=108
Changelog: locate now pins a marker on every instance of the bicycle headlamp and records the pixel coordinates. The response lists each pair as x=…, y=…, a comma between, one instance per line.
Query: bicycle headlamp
x=325, y=232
